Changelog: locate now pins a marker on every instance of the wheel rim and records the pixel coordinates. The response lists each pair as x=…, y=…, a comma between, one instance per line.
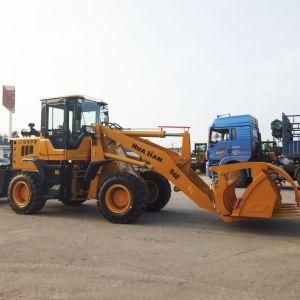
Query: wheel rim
x=21, y=193
x=118, y=199
x=153, y=190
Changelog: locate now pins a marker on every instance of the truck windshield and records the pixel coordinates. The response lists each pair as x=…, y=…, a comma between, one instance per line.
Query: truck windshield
x=267, y=146
x=218, y=135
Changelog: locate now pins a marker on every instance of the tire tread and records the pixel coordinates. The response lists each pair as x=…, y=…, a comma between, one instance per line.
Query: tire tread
x=36, y=203
x=138, y=191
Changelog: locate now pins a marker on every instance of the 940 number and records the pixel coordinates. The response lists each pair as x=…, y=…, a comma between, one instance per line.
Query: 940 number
x=174, y=174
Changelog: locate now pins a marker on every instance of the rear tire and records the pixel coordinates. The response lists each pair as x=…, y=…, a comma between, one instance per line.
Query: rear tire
x=159, y=190
x=25, y=194
x=122, y=198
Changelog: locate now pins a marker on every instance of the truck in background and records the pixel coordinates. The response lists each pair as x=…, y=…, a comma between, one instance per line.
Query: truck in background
x=198, y=157
x=234, y=139
x=290, y=139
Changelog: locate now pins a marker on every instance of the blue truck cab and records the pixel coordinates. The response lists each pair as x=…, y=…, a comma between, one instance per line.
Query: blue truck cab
x=233, y=139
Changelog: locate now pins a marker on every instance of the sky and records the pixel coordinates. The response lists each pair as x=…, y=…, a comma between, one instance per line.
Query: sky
x=156, y=62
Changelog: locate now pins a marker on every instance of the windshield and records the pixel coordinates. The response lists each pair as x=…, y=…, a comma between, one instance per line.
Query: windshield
x=84, y=112
x=200, y=147
x=267, y=146
x=218, y=135
x=88, y=112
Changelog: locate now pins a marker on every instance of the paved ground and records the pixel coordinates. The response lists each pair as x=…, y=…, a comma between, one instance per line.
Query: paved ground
x=179, y=253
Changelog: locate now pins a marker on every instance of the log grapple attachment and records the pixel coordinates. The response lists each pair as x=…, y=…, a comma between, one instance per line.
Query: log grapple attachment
x=261, y=199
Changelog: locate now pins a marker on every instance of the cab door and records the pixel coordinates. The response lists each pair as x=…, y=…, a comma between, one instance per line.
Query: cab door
x=219, y=150
x=240, y=144
x=54, y=126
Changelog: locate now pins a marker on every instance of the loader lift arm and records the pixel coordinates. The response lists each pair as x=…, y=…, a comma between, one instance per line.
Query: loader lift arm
x=168, y=163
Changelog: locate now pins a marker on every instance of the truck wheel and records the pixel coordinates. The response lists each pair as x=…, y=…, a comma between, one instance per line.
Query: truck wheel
x=25, y=194
x=122, y=198
x=242, y=179
x=159, y=189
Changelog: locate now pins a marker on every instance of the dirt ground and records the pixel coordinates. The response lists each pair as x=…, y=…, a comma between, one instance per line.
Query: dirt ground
x=181, y=252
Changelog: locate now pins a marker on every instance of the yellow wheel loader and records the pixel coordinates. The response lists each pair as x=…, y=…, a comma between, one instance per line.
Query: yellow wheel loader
x=78, y=156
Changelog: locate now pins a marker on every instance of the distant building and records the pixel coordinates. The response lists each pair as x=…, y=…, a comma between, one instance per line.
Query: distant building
x=4, y=150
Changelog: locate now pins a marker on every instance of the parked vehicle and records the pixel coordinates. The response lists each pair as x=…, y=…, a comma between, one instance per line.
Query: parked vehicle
x=4, y=172
x=198, y=158
x=234, y=139
x=290, y=161
x=271, y=150
x=4, y=162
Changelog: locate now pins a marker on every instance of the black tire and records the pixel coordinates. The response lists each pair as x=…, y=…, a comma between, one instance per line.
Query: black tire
x=159, y=190
x=137, y=193
x=34, y=201
x=242, y=179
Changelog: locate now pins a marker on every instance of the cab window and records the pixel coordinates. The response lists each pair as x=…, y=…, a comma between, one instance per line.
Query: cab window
x=233, y=134
x=255, y=133
x=55, y=124
x=218, y=135
x=81, y=113
x=200, y=147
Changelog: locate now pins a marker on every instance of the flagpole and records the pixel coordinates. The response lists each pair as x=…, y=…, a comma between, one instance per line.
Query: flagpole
x=10, y=125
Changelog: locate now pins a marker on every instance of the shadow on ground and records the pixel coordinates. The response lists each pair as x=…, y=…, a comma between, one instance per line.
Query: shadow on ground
x=189, y=219
x=3, y=201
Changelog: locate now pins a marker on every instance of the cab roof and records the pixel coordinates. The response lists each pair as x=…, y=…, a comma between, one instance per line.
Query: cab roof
x=75, y=97
x=235, y=121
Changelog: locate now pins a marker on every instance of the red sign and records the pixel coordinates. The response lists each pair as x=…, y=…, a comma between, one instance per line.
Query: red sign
x=8, y=98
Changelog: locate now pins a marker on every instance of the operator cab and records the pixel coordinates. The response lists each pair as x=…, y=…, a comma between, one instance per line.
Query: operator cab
x=63, y=119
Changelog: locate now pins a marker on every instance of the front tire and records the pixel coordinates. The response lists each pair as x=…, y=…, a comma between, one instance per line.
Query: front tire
x=159, y=189
x=122, y=198
x=25, y=194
